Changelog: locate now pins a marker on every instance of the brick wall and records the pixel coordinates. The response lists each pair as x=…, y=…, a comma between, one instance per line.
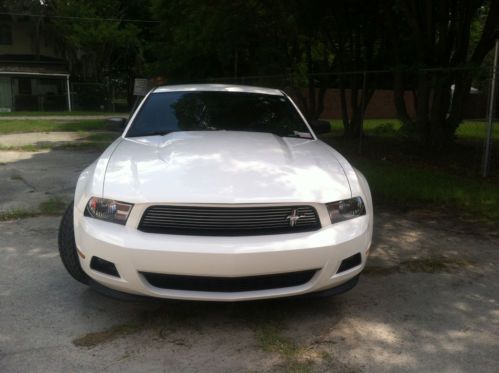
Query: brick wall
x=381, y=105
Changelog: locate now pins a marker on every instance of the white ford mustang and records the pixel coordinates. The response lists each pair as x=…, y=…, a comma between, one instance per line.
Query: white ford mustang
x=218, y=192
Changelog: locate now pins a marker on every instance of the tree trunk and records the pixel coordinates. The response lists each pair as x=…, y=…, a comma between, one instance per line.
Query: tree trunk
x=400, y=104
x=359, y=100
x=458, y=100
x=422, y=110
x=344, y=108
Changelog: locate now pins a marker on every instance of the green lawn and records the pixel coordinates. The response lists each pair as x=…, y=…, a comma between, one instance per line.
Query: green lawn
x=403, y=174
x=470, y=129
x=398, y=185
x=21, y=126
x=55, y=113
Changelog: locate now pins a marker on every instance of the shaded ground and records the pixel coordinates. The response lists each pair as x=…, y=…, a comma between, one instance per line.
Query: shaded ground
x=428, y=301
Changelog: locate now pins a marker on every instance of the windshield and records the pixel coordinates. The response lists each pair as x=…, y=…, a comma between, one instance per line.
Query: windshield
x=167, y=112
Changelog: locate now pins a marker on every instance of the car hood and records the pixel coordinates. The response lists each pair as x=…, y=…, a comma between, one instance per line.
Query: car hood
x=224, y=167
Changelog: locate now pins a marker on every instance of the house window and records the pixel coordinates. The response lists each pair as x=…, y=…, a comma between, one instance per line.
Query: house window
x=5, y=33
x=24, y=86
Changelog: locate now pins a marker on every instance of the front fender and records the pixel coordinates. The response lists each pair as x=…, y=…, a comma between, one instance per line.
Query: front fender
x=91, y=181
x=366, y=191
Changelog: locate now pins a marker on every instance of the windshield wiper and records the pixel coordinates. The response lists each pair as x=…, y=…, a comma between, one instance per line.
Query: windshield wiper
x=299, y=136
x=152, y=133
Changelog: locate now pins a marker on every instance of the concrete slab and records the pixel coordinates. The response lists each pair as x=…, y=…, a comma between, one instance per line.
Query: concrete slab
x=29, y=178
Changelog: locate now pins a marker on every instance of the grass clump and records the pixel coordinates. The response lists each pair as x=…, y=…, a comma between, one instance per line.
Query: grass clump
x=43, y=125
x=26, y=148
x=295, y=358
x=16, y=214
x=53, y=206
x=270, y=340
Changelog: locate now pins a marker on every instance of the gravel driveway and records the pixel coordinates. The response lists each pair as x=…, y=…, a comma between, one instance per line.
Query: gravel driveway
x=428, y=301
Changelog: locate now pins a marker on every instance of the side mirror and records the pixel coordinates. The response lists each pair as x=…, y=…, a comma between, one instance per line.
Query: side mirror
x=320, y=126
x=116, y=124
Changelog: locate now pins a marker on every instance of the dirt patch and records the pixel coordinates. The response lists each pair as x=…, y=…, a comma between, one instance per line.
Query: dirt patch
x=422, y=265
x=164, y=321
x=94, y=339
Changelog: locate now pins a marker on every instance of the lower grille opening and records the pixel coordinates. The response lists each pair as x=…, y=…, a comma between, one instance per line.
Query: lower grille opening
x=104, y=266
x=229, y=284
x=350, y=262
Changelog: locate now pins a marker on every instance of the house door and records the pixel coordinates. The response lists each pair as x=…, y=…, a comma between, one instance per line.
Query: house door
x=5, y=94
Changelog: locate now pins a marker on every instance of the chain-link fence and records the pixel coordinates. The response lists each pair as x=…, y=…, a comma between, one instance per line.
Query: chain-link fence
x=50, y=94
x=432, y=118
x=111, y=96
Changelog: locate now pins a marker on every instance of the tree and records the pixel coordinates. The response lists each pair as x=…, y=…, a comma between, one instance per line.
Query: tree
x=95, y=49
x=441, y=54
x=353, y=33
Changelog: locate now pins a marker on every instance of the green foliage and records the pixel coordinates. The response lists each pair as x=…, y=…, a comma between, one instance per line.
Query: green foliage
x=399, y=185
x=21, y=126
x=198, y=39
x=53, y=206
x=97, y=48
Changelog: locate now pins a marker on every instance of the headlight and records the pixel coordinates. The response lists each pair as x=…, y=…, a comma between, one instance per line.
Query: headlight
x=109, y=210
x=346, y=209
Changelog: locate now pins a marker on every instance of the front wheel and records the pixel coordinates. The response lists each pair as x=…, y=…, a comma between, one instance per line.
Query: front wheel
x=67, y=247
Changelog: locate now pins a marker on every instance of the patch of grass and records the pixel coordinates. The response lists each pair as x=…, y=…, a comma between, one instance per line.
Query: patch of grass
x=468, y=129
x=402, y=185
x=23, y=126
x=270, y=340
x=84, y=145
x=371, y=127
x=26, y=148
x=53, y=206
x=295, y=358
x=102, y=137
x=97, y=338
x=17, y=214
x=474, y=129
x=55, y=113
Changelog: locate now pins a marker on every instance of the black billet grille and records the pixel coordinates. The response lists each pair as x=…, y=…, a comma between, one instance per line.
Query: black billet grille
x=229, y=284
x=228, y=221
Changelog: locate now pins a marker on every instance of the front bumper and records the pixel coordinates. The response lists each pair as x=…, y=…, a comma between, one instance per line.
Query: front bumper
x=133, y=252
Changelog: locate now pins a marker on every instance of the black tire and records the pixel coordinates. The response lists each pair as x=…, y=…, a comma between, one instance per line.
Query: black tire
x=67, y=247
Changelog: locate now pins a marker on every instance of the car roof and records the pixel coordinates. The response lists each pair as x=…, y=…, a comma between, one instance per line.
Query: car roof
x=218, y=88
